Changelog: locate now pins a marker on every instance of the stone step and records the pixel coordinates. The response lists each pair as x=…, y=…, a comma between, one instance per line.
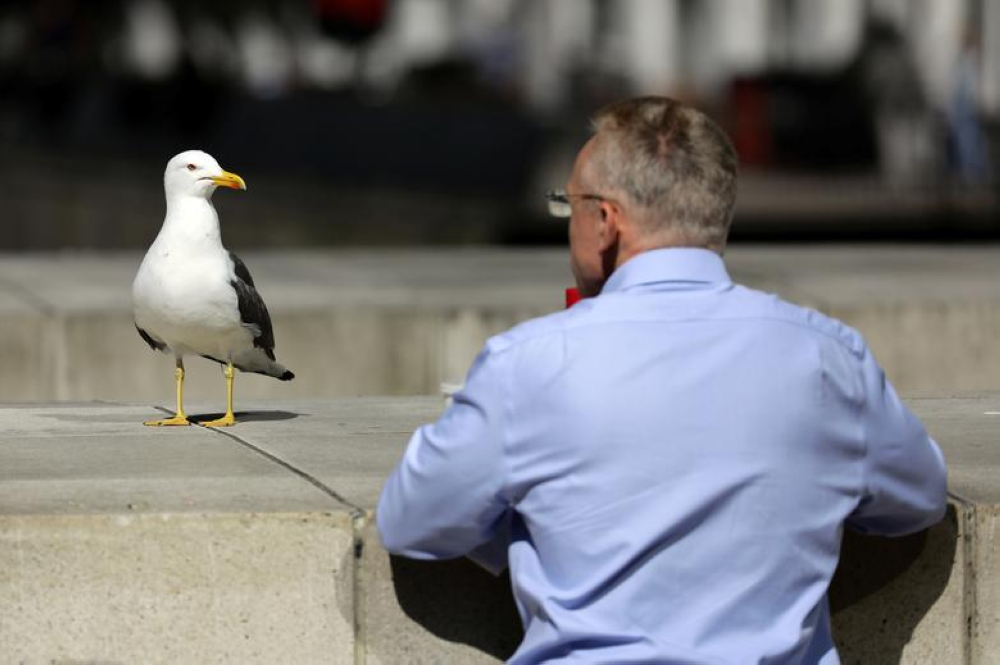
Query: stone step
x=255, y=544
x=397, y=322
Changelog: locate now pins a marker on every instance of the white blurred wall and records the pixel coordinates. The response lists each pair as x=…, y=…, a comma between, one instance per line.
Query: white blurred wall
x=653, y=46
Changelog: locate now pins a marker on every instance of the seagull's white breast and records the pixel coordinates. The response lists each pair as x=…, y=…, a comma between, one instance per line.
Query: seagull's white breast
x=183, y=296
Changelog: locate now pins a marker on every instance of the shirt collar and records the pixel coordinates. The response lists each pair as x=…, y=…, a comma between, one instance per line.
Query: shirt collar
x=672, y=264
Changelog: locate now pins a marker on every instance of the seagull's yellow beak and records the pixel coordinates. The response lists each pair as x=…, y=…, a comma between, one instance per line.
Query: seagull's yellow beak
x=230, y=180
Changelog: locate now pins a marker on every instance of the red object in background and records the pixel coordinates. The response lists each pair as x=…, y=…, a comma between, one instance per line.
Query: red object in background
x=751, y=123
x=572, y=296
x=354, y=21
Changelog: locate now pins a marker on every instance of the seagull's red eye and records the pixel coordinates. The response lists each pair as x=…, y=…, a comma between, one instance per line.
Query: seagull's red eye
x=191, y=167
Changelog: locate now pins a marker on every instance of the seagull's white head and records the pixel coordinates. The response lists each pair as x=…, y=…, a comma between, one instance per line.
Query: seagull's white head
x=196, y=173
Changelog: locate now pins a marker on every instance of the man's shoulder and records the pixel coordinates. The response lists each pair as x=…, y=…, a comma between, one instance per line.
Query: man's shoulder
x=772, y=307
x=543, y=326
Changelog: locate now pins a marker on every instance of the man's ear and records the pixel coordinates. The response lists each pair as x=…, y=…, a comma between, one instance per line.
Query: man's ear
x=610, y=225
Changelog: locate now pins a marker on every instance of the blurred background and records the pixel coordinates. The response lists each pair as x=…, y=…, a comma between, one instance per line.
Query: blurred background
x=400, y=122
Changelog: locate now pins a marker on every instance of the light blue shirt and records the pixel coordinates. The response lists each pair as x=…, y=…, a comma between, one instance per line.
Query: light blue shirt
x=667, y=469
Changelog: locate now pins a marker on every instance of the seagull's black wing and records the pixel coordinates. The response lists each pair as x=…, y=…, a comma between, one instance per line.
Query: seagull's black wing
x=253, y=311
x=153, y=344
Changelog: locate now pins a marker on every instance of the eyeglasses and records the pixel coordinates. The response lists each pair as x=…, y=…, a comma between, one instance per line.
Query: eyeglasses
x=560, y=202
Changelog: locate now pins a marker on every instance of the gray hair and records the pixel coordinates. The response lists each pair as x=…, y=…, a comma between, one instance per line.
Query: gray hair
x=672, y=163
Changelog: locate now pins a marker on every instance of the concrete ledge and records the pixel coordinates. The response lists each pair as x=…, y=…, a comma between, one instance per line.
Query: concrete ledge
x=397, y=322
x=120, y=543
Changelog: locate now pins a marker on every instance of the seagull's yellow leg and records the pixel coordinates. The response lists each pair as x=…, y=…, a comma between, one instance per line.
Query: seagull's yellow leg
x=179, y=418
x=230, y=417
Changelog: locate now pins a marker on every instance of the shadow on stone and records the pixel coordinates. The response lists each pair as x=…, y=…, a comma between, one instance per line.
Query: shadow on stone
x=460, y=602
x=884, y=587
x=249, y=416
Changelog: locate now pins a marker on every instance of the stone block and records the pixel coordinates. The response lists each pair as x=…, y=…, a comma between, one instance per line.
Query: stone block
x=180, y=588
x=358, y=350
x=26, y=355
x=339, y=350
x=333, y=352
x=414, y=612
x=949, y=343
x=986, y=566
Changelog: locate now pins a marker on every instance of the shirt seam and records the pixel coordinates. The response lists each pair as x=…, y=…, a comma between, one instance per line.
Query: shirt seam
x=724, y=284
x=865, y=448
x=508, y=344
x=505, y=414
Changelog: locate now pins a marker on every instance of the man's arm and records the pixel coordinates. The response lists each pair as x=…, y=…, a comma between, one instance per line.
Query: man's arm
x=445, y=497
x=906, y=478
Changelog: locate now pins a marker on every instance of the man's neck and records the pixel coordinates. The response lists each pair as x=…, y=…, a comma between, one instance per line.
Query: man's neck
x=629, y=250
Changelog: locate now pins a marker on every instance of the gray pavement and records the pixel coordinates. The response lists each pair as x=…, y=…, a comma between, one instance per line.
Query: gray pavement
x=968, y=429
x=309, y=455
x=304, y=455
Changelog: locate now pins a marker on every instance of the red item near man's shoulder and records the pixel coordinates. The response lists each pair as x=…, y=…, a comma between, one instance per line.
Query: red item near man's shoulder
x=572, y=296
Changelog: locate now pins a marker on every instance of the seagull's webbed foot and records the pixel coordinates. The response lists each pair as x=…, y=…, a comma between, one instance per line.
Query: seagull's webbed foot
x=227, y=420
x=176, y=421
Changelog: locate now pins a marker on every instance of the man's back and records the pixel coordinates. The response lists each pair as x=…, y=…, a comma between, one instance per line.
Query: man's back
x=669, y=466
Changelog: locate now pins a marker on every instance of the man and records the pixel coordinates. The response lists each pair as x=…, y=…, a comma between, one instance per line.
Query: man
x=666, y=466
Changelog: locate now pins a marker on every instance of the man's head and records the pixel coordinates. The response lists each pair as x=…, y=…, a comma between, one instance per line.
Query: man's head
x=655, y=174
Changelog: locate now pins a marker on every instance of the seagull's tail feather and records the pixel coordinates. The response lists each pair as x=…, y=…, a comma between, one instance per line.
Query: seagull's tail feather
x=277, y=370
x=258, y=362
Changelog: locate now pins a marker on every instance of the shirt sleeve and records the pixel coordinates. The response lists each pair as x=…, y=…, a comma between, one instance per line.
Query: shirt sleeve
x=445, y=497
x=906, y=478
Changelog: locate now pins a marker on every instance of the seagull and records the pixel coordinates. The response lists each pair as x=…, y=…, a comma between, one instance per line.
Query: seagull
x=192, y=295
